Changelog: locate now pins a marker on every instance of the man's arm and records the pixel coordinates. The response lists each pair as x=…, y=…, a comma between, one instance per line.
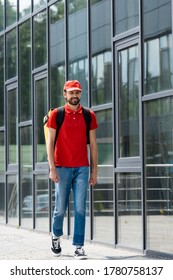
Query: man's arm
x=94, y=157
x=53, y=175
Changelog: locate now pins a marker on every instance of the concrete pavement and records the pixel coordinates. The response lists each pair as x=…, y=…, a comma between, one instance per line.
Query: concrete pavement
x=22, y=244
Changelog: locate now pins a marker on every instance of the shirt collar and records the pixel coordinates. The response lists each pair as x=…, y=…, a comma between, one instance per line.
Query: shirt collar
x=69, y=110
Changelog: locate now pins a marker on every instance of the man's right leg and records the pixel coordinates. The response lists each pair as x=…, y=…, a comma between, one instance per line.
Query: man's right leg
x=62, y=192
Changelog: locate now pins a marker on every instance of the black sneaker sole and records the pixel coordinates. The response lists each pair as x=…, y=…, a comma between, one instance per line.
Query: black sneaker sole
x=82, y=257
x=57, y=253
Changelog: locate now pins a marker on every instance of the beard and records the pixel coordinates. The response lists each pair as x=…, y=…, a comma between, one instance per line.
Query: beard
x=74, y=100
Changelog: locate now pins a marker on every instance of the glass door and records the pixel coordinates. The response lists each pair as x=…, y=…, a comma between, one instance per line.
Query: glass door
x=128, y=158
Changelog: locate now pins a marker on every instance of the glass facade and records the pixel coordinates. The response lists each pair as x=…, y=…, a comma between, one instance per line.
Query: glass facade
x=124, y=61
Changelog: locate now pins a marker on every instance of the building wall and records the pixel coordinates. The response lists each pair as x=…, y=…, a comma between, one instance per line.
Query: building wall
x=121, y=52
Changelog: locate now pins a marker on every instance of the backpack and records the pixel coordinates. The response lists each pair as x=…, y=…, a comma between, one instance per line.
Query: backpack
x=60, y=118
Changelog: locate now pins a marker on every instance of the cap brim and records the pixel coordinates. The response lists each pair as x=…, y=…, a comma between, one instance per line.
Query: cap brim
x=73, y=88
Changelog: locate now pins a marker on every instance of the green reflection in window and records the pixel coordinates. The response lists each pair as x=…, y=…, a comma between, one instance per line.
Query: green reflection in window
x=25, y=70
x=39, y=3
x=128, y=102
x=1, y=15
x=76, y=5
x=40, y=39
x=41, y=111
x=57, y=53
x=2, y=81
x=12, y=126
x=11, y=63
x=24, y=8
x=77, y=51
x=101, y=79
x=158, y=58
x=104, y=137
x=11, y=12
x=101, y=82
x=2, y=152
x=26, y=154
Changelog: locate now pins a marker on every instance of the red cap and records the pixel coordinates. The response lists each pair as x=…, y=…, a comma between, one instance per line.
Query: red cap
x=72, y=85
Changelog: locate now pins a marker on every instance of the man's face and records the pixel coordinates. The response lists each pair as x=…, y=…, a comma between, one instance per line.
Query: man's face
x=72, y=97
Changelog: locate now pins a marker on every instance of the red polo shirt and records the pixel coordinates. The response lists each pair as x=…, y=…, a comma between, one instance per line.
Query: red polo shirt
x=71, y=148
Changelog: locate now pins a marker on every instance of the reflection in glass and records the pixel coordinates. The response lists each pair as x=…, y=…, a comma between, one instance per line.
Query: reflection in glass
x=12, y=199
x=126, y=15
x=39, y=3
x=26, y=176
x=129, y=210
x=12, y=126
x=2, y=81
x=11, y=12
x=11, y=64
x=42, y=202
x=25, y=71
x=2, y=177
x=57, y=53
x=159, y=173
x=41, y=111
x=1, y=15
x=40, y=39
x=103, y=191
x=128, y=90
x=24, y=8
x=101, y=53
x=158, y=66
x=77, y=51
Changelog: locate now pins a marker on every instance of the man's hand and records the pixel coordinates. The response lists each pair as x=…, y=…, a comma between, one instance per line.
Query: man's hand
x=53, y=175
x=93, y=179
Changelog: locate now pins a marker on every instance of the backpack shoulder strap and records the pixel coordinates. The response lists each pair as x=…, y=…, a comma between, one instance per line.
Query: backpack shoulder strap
x=87, y=118
x=60, y=116
x=59, y=119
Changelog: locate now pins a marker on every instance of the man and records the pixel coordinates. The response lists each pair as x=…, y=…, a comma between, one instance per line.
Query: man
x=69, y=165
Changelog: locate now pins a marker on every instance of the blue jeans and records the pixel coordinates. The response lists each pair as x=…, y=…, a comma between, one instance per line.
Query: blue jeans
x=77, y=180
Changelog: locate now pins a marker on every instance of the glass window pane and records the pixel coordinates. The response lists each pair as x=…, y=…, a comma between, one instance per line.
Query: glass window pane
x=126, y=13
x=101, y=52
x=129, y=210
x=1, y=15
x=158, y=47
x=57, y=53
x=42, y=202
x=77, y=40
x=41, y=111
x=2, y=177
x=24, y=8
x=159, y=173
x=25, y=71
x=103, y=191
x=40, y=39
x=12, y=199
x=26, y=176
x=39, y=3
x=2, y=81
x=12, y=126
x=128, y=90
x=11, y=12
x=11, y=63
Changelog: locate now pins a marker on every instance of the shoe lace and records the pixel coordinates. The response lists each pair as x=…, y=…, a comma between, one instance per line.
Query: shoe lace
x=56, y=243
x=80, y=250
